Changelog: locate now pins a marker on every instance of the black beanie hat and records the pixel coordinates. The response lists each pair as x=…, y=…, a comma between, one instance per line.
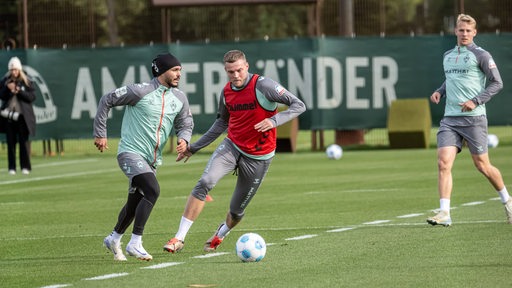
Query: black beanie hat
x=162, y=63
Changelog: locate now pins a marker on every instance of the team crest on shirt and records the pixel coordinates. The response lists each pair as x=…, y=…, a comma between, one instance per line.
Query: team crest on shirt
x=492, y=64
x=280, y=90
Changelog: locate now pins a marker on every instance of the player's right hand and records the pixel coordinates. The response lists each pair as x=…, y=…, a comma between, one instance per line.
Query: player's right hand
x=435, y=97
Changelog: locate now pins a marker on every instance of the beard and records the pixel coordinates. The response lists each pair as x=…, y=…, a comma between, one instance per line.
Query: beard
x=170, y=83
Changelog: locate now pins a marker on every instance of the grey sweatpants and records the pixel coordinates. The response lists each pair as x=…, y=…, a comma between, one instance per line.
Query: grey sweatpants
x=225, y=159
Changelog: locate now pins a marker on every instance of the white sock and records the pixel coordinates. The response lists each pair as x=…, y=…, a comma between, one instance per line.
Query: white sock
x=504, y=195
x=223, y=230
x=136, y=239
x=185, y=225
x=116, y=236
x=444, y=204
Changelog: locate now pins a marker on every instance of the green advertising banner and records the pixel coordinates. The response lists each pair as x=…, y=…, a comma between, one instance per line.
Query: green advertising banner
x=346, y=83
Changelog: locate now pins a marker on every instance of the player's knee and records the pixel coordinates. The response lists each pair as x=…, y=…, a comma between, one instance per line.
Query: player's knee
x=237, y=216
x=148, y=184
x=202, y=188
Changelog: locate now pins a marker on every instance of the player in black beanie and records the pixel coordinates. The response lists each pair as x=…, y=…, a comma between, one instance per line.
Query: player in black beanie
x=153, y=110
x=162, y=63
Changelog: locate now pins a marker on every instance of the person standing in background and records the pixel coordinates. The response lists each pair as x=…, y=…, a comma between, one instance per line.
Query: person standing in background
x=17, y=115
x=472, y=79
x=152, y=111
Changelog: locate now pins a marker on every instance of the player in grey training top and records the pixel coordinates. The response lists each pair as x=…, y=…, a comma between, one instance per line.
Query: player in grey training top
x=152, y=110
x=467, y=69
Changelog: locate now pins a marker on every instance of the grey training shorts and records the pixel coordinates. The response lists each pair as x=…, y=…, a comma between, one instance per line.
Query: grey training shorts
x=132, y=165
x=453, y=131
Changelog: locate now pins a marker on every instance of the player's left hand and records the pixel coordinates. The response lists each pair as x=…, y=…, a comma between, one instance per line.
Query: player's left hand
x=182, y=146
x=264, y=125
x=467, y=106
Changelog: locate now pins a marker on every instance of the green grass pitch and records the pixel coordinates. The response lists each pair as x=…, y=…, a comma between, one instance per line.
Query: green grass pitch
x=355, y=222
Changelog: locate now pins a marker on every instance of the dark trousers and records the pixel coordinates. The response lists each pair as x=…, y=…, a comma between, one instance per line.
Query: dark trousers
x=17, y=132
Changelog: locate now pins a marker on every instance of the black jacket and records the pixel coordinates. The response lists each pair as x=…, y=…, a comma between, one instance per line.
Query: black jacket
x=26, y=96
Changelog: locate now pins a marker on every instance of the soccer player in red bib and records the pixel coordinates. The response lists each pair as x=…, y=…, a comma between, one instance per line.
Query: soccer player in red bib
x=248, y=109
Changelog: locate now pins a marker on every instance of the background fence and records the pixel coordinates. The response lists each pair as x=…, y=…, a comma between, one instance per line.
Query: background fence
x=85, y=23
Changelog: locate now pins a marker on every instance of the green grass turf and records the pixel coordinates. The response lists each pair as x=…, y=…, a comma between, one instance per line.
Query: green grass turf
x=54, y=220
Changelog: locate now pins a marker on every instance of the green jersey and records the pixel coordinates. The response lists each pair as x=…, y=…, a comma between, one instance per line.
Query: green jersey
x=467, y=70
x=152, y=112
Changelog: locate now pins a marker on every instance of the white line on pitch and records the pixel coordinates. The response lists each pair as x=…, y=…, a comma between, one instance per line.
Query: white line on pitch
x=340, y=229
x=162, y=265
x=68, y=162
x=57, y=286
x=376, y=222
x=410, y=215
x=210, y=255
x=57, y=176
x=301, y=237
x=108, y=276
x=473, y=203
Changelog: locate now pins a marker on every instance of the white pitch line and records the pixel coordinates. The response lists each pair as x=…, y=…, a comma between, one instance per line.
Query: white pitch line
x=12, y=203
x=410, y=215
x=162, y=265
x=473, y=203
x=210, y=255
x=58, y=286
x=348, y=191
x=57, y=176
x=340, y=229
x=376, y=222
x=68, y=162
x=108, y=276
x=301, y=237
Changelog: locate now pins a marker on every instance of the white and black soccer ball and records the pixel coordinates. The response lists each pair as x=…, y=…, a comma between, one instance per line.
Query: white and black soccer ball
x=334, y=151
x=492, y=141
x=251, y=247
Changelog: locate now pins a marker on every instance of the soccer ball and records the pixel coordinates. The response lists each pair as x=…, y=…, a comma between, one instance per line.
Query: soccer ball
x=492, y=141
x=334, y=151
x=251, y=247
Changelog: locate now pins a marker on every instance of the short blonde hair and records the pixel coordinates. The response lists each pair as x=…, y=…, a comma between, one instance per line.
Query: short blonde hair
x=233, y=56
x=467, y=19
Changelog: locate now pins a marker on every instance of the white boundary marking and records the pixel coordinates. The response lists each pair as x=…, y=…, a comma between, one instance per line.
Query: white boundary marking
x=108, y=276
x=376, y=222
x=340, y=229
x=410, y=215
x=473, y=203
x=211, y=255
x=301, y=237
x=162, y=265
x=33, y=179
